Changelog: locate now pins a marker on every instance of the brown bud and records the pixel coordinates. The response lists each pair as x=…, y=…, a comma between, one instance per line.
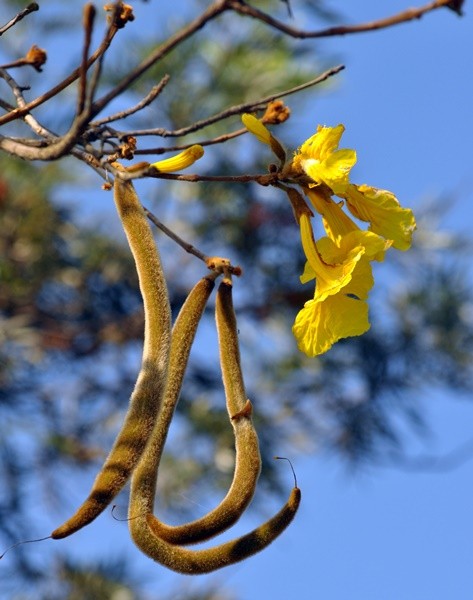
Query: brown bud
x=276, y=112
x=128, y=147
x=36, y=57
x=121, y=14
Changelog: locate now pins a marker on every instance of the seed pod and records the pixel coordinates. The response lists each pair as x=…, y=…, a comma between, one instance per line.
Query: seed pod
x=148, y=392
x=248, y=460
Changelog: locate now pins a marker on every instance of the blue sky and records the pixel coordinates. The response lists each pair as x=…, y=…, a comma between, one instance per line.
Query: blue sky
x=383, y=534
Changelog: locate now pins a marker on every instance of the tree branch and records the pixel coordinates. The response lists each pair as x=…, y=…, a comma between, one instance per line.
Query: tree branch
x=244, y=9
x=32, y=7
x=20, y=112
x=185, y=245
x=148, y=99
x=235, y=110
x=211, y=13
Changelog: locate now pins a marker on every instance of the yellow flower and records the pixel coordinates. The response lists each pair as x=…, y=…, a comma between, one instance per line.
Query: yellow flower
x=328, y=169
x=179, y=161
x=338, y=225
x=382, y=210
x=343, y=279
x=340, y=262
x=320, y=159
x=331, y=276
x=322, y=323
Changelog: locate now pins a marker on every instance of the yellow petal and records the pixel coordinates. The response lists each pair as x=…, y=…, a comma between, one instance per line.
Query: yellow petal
x=320, y=324
x=257, y=128
x=374, y=246
x=336, y=222
x=333, y=171
x=322, y=143
x=331, y=278
x=382, y=210
x=308, y=273
x=179, y=161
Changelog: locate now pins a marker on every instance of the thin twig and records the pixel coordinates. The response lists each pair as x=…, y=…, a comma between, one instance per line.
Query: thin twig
x=32, y=7
x=185, y=245
x=238, y=109
x=20, y=62
x=94, y=82
x=210, y=142
x=242, y=8
x=150, y=96
x=211, y=13
x=58, y=145
x=266, y=179
x=88, y=21
x=4, y=104
x=40, y=130
x=19, y=112
x=62, y=145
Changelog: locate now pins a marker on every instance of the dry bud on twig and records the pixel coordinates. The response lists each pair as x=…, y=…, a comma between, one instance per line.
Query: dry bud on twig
x=121, y=14
x=36, y=57
x=276, y=112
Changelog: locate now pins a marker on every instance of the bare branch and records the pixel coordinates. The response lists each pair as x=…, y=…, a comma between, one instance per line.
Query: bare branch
x=56, y=146
x=150, y=96
x=211, y=13
x=185, y=245
x=210, y=142
x=41, y=131
x=242, y=8
x=266, y=179
x=19, y=112
x=61, y=146
x=35, y=57
x=234, y=110
x=32, y=7
x=88, y=20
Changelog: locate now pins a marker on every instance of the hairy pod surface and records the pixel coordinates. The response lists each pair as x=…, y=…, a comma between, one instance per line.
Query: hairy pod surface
x=148, y=392
x=248, y=460
x=176, y=557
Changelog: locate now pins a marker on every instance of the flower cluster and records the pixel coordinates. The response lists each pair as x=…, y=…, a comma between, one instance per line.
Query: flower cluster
x=340, y=261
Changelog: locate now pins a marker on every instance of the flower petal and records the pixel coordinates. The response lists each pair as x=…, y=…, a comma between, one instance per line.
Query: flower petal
x=320, y=324
x=322, y=143
x=179, y=161
x=333, y=171
x=336, y=222
x=331, y=277
x=384, y=213
x=257, y=128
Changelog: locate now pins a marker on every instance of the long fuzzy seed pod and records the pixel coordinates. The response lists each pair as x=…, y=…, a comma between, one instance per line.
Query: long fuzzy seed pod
x=147, y=394
x=177, y=558
x=248, y=460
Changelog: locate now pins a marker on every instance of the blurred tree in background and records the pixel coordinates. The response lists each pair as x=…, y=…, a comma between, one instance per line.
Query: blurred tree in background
x=71, y=312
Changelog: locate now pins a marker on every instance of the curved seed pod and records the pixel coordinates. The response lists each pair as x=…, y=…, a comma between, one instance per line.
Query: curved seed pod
x=198, y=562
x=177, y=558
x=248, y=460
x=147, y=394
